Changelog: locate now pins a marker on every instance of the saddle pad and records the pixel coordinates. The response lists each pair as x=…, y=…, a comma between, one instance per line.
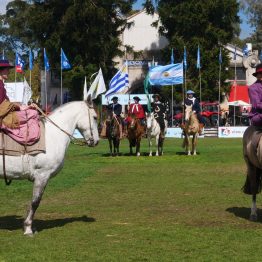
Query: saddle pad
x=256, y=137
x=13, y=148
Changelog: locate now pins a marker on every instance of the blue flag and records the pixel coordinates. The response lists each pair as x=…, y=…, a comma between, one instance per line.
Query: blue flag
x=245, y=50
x=185, y=59
x=172, y=57
x=65, y=65
x=19, y=63
x=46, y=62
x=31, y=63
x=166, y=75
x=260, y=56
x=198, y=58
x=220, y=56
x=235, y=54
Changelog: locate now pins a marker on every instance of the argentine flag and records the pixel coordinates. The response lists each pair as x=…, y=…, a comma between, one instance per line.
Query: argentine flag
x=166, y=75
x=119, y=83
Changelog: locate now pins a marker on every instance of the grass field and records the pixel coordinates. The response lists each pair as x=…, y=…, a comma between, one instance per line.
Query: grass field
x=170, y=208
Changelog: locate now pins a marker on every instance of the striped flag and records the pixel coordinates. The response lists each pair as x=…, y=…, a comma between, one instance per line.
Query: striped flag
x=119, y=83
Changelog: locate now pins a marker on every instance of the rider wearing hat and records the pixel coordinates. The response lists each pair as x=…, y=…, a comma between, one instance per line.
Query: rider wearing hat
x=191, y=100
x=255, y=95
x=113, y=110
x=159, y=111
x=136, y=109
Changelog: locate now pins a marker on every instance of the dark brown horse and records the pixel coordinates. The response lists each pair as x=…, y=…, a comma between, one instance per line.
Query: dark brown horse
x=113, y=126
x=135, y=132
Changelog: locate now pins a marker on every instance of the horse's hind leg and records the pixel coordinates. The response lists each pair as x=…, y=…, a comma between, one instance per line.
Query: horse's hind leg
x=138, y=147
x=110, y=146
x=253, y=214
x=150, y=145
x=194, y=144
x=157, y=146
x=38, y=190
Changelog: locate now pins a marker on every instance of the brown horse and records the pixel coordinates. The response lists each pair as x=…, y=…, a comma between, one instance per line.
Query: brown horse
x=191, y=128
x=252, y=151
x=113, y=134
x=135, y=132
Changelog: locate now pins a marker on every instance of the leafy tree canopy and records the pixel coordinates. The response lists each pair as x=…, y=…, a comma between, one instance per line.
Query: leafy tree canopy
x=87, y=30
x=209, y=24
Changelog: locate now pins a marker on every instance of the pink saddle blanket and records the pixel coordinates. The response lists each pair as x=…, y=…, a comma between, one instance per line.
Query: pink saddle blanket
x=29, y=130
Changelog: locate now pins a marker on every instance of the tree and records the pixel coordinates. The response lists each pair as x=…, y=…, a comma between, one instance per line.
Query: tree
x=87, y=30
x=254, y=10
x=209, y=24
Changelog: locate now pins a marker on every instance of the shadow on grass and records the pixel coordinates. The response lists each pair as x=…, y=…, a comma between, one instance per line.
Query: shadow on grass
x=16, y=222
x=244, y=212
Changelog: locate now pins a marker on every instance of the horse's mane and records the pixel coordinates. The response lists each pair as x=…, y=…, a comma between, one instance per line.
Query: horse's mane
x=62, y=107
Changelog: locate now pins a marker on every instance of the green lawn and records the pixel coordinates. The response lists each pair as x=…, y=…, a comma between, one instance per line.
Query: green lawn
x=169, y=208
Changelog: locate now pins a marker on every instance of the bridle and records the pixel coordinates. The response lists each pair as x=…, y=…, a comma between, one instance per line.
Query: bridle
x=74, y=140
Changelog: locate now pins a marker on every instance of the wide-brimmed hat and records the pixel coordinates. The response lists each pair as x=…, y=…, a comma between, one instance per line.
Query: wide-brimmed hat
x=156, y=95
x=190, y=92
x=258, y=70
x=5, y=64
x=114, y=98
x=136, y=98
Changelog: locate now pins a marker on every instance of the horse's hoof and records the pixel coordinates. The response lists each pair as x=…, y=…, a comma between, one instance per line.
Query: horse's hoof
x=138, y=154
x=253, y=218
x=28, y=232
x=150, y=154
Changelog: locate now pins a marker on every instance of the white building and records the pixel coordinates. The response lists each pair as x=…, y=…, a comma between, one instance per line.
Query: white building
x=144, y=38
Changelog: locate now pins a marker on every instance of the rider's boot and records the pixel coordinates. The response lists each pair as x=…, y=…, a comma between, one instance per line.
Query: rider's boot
x=201, y=126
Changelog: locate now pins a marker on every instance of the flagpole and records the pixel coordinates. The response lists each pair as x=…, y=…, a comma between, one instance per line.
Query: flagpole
x=200, y=91
x=183, y=95
x=219, y=89
x=172, y=104
x=45, y=93
x=61, y=91
x=235, y=86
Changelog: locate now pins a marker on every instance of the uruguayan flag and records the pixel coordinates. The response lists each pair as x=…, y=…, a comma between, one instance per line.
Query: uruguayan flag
x=166, y=75
x=119, y=83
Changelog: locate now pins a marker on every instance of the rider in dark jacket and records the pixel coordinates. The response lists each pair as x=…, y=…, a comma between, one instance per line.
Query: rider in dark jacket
x=160, y=111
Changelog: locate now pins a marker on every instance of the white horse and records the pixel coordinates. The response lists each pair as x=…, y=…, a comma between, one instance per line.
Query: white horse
x=41, y=167
x=153, y=130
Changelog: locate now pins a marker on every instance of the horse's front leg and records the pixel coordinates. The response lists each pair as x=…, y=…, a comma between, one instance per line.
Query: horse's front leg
x=194, y=144
x=149, y=144
x=187, y=145
x=253, y=214
x=157, y=145
x=110, y=146
x=138, y=147
x=38, y=190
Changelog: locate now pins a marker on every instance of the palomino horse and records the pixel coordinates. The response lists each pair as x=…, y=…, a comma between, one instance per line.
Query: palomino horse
x=153, y=130
x=252, y=151
x=113, y=134
x=59, y=126
x=191, y=128
x=135, y=132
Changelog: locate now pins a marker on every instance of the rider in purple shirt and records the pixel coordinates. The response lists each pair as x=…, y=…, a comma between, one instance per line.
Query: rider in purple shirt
x=4, y=70
x=255, y=95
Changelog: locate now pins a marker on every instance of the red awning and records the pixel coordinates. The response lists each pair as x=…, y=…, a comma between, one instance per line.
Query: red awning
x=239, y=93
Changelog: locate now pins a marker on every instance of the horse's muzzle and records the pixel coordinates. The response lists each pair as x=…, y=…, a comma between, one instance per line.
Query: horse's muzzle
x=91, y=142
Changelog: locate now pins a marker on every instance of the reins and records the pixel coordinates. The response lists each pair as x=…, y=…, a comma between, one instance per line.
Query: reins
x=74, y=140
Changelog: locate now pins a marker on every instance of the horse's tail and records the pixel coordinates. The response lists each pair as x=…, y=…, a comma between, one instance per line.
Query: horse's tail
x=253, y=183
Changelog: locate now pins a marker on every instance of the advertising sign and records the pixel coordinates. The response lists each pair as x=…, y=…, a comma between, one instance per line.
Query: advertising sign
x=231, y=131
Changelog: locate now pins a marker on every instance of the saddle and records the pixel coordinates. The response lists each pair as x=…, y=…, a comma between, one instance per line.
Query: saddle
x=10, y=147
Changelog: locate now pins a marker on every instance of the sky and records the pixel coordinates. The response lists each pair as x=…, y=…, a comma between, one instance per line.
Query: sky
x=246, y=30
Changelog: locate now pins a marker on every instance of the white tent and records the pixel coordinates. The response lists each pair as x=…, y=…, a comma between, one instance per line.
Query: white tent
x=238, y=103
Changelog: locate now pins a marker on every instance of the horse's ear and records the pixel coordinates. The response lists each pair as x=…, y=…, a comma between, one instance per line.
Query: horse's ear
x=89, y=100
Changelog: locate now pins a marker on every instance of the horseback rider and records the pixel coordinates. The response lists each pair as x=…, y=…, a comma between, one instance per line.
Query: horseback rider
x=136, y=109
x=114, y=110
x=255, y=96
x=191, y=100
x=160, y=113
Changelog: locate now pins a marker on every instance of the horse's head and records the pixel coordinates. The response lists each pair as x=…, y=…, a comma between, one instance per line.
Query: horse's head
x=188, y=112
x=149, y=120
x=87, y=123
x=133, y=121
